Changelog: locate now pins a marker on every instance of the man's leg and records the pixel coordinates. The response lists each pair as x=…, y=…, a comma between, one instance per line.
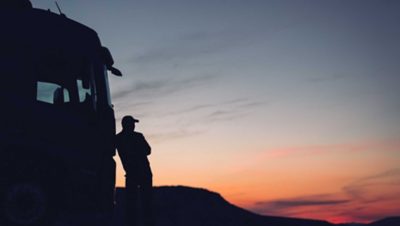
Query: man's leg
x=147, y=201
x=131, y=212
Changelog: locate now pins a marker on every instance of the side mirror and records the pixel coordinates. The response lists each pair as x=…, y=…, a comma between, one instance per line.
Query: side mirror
x=109, y=61
x=115, y=71
x=107, y=57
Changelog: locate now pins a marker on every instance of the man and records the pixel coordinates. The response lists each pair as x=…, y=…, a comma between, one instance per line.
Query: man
x=133, y=150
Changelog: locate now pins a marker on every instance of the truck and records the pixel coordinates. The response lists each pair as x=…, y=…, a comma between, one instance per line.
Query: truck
x=57, y=123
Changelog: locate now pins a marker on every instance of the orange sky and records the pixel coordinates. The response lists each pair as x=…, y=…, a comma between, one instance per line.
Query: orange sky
x=356, y=182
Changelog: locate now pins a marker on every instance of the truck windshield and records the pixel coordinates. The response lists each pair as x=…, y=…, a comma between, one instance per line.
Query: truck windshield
x=67, y=88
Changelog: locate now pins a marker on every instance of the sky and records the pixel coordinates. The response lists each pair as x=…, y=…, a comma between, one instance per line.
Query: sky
x=285, y=107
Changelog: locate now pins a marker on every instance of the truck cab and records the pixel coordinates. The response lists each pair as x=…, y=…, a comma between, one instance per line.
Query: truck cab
x=57, y=122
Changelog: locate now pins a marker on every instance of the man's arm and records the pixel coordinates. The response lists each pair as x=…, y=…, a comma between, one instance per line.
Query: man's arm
x=121, y=153
x=146, y=146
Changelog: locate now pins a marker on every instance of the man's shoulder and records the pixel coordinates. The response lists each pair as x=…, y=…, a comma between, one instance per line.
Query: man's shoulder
x=119, y=135
x=137, y=134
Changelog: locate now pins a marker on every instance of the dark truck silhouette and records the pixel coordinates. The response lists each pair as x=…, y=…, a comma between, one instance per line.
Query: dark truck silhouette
x=57, y=122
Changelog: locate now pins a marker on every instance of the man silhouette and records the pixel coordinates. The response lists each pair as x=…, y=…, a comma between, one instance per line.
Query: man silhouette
x=133, y=150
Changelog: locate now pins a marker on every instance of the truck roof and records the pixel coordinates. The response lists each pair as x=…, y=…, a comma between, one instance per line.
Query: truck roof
x=37, y=28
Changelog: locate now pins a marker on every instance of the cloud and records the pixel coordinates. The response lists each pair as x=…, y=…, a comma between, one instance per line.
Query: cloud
x=374, y=197
x=223, y=110
x=313, y=149
x=363, y=200
x=158, y=88
x=281, y=204
x=172, y=135
x=298, y=204
x=209, y=106
x=212, y=112
x=202, y=114
x=324, y=79
x=188, y=46
x=387, y=174
x=379, y=145
x=230, y=110
x=223, y=115
x=134, y=104
x=195, y=36
x=250, y=105
x=202, y=44
x=364, y=189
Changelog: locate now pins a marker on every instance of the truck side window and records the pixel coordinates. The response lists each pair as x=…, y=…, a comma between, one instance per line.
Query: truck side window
x=86, y=87
x=50, y=93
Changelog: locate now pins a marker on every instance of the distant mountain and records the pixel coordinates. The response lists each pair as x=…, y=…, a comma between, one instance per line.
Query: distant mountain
x=184, y=206
x=390, y=221
x=351, y=224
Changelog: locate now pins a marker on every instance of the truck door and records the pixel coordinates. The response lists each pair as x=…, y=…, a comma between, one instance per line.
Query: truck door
x=66, y=114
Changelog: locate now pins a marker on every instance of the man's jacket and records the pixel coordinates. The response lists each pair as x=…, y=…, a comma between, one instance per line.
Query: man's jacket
x=133, y=150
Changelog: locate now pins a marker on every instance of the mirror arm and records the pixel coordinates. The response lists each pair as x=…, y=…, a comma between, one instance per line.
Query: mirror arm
x=115, y=71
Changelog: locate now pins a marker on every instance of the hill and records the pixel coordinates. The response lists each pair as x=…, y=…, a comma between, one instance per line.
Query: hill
x=390, y=221
x=185, y=206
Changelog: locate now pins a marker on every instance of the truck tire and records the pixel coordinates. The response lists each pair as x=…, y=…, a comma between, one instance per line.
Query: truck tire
x=26, y=203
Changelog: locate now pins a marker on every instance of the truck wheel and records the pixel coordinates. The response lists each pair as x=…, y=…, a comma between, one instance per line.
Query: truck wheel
x=26, y=204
